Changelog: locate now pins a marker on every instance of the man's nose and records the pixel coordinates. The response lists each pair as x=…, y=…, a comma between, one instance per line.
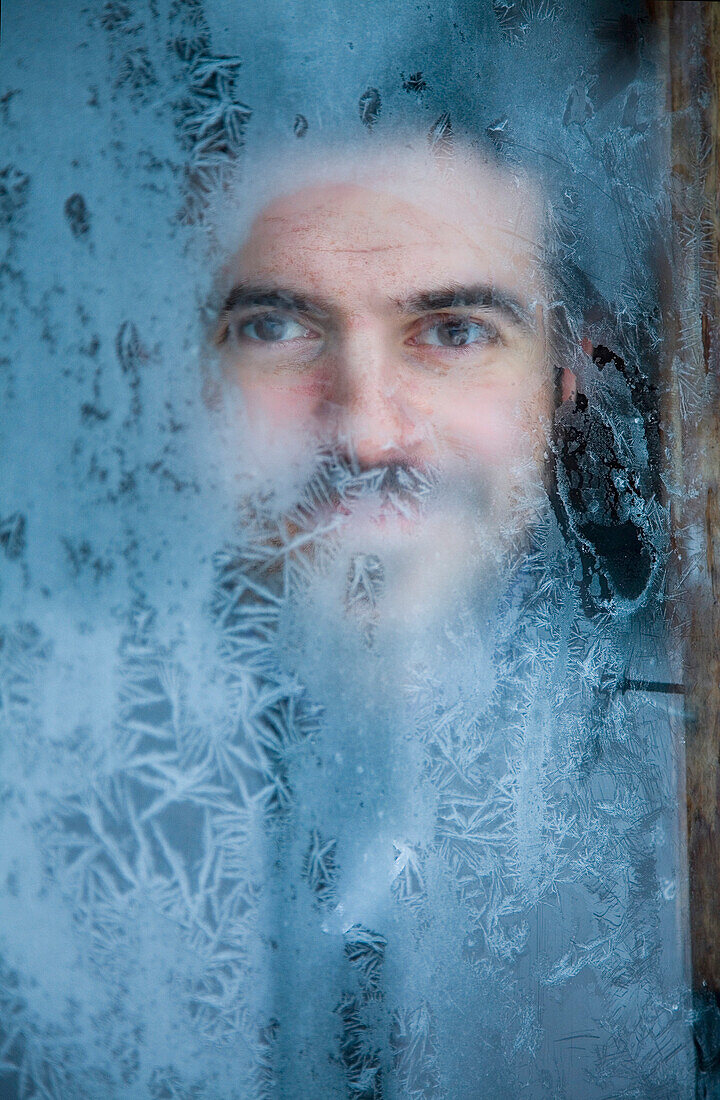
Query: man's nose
x=373, y=420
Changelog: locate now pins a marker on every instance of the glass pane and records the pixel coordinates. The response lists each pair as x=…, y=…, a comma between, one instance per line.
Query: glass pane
x=343, y=724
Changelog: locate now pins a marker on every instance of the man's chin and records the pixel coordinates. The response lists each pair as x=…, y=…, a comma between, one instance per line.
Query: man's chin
x=391, y=570
x=377, y=525
x=391, y=558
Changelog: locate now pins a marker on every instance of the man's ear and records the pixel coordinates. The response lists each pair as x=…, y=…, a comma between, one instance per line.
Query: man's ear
x=568, y=385
x=568, y=381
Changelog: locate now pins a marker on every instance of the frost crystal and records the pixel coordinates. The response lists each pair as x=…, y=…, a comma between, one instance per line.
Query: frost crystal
x=271, y=830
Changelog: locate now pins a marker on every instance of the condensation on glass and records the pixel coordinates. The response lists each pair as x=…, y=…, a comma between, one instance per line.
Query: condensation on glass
x=341, y=745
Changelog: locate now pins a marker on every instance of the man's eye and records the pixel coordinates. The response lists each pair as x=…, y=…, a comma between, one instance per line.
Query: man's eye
x=272, y=328
x=456, y=333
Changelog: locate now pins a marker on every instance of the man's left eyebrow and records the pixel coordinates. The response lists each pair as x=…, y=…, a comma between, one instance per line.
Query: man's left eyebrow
x=469, y=297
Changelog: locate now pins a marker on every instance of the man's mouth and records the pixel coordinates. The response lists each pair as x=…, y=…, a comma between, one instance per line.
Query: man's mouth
x=367, y=514
x=378, y=513
x=390, y=498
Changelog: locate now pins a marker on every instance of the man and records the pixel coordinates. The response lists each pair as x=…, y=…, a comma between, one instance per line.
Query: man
x=395, y=314
x=448, y=788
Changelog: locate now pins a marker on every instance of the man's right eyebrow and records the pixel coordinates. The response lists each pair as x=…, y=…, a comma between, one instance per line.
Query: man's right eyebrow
x=270, y=297
x=246, y=296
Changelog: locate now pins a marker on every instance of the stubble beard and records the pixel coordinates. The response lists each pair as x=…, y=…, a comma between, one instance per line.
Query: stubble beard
x=385, y=557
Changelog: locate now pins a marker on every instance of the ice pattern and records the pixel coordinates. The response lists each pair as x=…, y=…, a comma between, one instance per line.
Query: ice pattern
x=251, y=850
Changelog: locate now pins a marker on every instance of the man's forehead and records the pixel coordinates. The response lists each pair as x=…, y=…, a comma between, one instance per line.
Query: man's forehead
x=466, y=186
x=455, y=222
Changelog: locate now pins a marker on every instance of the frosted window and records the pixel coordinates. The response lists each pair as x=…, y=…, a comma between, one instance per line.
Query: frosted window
x=341, y=744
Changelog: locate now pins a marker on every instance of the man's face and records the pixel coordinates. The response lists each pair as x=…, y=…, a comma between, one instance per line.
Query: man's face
x=399, y=325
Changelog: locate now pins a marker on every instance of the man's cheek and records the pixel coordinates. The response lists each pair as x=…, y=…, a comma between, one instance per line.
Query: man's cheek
x=275, y=429
x=283, y=417
x=492, y=427
x=283, y=401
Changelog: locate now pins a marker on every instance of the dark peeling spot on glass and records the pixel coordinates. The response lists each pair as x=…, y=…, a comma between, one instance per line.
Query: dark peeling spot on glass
x=369, y=107
x=414, y=82
x=77, y=215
